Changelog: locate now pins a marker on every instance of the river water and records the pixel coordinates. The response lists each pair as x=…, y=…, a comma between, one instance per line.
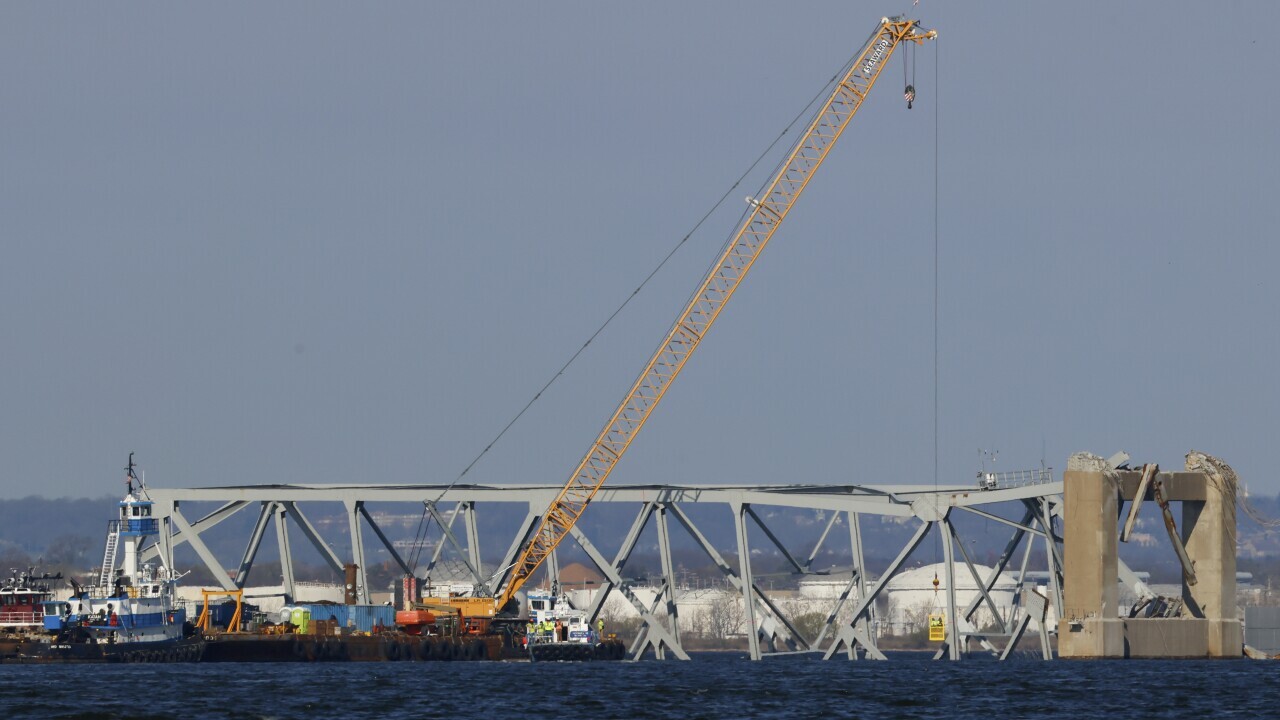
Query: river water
x=712, y=685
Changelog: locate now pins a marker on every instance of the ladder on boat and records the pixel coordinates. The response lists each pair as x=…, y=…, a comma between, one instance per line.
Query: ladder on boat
x=109, y=555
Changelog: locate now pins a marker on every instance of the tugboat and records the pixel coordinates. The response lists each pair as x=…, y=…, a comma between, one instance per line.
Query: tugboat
x=561, y=632
x=22, y=598
x=130, y=614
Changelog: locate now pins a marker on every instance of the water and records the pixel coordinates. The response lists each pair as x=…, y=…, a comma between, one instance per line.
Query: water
x=712, y=685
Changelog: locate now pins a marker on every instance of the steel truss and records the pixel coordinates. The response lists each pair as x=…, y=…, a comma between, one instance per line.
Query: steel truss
x=847, y=633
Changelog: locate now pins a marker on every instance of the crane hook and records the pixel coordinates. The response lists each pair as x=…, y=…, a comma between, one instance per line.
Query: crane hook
x=910, y=95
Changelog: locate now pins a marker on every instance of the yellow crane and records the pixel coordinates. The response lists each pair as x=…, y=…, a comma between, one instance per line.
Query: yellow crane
x=767, y=214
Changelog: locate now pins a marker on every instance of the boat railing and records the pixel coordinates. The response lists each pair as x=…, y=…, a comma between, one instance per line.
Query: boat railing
x=144, y=526
x=17, y=617
x=1014, y=478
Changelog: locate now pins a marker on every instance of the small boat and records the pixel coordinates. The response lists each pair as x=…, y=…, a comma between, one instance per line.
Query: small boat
x=22, y=598
x=558, y=631
x=129, y=614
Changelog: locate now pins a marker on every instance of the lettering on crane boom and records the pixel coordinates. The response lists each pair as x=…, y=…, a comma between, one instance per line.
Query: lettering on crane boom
x=870, y=65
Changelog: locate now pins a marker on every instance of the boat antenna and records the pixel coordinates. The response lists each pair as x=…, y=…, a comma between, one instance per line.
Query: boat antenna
x=131, y=476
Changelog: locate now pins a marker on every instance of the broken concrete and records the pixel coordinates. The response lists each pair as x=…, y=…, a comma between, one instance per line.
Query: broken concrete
x=1091, y=625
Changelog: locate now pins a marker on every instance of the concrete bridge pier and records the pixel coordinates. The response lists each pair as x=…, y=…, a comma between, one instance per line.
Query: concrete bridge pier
x=1092, y=625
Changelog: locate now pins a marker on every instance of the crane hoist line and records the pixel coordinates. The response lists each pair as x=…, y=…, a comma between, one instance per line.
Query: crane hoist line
x=766, y=215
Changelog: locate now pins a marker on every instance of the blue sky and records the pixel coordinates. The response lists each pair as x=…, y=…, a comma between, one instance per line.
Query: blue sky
x=315, y=242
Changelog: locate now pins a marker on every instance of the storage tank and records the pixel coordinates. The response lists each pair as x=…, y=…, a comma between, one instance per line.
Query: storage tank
x=911, y=597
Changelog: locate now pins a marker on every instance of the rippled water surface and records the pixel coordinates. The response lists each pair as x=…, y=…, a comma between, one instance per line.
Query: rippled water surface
x=712, y=685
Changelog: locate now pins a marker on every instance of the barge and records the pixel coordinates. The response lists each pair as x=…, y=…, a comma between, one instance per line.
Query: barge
x=130, y=613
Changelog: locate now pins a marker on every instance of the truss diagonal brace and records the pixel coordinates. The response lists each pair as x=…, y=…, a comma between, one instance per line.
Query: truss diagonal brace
x=846, y=632
x=383, y=538
x=1010, y=548
x=982, y=589
x=231, y=508
x=654, y=626
x=734, y=579
x=255, y=540
x=463, y=555
x=313, y=536
x=503, y=573
x=193, y=538
x=817, y=547
x=624, y=553
x=786, y=554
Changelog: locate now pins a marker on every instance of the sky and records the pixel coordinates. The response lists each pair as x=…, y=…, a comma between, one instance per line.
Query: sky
x=346, y=243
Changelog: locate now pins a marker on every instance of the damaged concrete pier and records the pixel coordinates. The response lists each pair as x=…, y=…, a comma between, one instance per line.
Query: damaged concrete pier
x=1093, y=627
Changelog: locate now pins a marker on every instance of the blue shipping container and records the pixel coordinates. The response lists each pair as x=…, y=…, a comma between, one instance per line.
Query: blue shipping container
x=220, y=613
x=361, y=618
x=321, y=611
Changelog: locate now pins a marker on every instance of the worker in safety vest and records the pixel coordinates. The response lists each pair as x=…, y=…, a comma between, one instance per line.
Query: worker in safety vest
x=528, y=633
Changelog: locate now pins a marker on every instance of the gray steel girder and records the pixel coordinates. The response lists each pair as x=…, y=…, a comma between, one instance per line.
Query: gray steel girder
x=926, y=503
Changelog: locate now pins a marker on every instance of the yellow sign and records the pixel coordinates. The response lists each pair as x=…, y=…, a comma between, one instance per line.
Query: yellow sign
x=937, y=628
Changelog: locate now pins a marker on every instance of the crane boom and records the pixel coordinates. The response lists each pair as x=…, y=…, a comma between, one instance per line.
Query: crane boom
x=766, y=216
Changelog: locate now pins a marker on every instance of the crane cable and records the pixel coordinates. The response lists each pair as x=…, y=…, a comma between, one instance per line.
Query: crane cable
x=424, y=522
x=937, y=92
x=910, y=95
x=909, y=81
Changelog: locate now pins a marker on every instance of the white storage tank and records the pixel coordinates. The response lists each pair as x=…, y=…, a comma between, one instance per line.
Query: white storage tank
x=911, y=597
